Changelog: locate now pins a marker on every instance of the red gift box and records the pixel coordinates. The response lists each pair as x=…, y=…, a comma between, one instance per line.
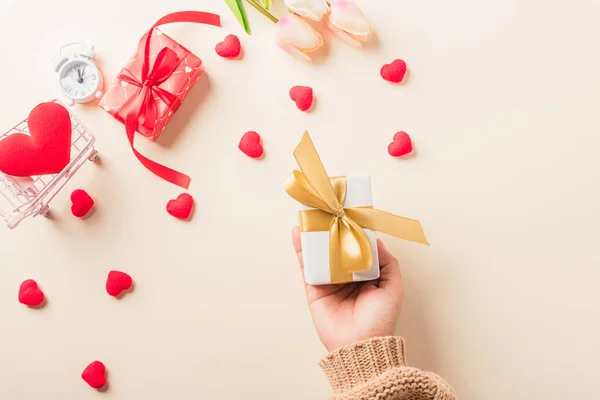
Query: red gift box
x=188, y=70
x=152, y=85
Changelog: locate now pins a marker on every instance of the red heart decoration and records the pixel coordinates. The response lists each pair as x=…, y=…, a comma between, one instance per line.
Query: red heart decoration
x=82, y=203
x=394, y=72
x=303, y=96
x=30, y=294
x=95, y=375
x=250, y=145
x=117, y=282
x=230, y=47
x=401, y=145
x=47, y=148
x=181, y=207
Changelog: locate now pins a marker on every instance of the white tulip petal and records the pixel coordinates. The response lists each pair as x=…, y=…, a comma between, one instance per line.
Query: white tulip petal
x=363, y=38
x=295, y=52
x=346, y=15
x=294, y=31
x=343, y=35
x=313, y=9
x=306, y=14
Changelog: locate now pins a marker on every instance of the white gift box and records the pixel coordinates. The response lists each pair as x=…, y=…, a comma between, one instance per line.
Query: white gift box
x=315, y=245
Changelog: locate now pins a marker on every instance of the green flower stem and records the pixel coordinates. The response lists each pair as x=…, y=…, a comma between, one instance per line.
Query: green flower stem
x=262, y=10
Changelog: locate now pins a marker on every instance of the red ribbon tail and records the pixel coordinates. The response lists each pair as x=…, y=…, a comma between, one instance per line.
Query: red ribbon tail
x=166, y=173
x=198, y=17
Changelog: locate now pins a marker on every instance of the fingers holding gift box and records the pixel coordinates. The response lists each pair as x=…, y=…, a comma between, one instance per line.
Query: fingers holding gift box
x=337, y=221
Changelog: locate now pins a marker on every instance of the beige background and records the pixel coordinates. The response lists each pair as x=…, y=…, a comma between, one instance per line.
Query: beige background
x=502, y=104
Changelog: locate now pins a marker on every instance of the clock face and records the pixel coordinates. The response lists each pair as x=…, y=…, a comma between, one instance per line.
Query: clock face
x=80, y=80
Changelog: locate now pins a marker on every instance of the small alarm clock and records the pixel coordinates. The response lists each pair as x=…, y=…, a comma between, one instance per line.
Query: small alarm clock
x=80, y=79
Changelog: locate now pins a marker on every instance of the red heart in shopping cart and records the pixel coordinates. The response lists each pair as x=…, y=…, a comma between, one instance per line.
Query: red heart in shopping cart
x=47, y=148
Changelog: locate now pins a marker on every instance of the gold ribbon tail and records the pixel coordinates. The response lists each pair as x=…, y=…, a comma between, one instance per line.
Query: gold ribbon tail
x=391, y=224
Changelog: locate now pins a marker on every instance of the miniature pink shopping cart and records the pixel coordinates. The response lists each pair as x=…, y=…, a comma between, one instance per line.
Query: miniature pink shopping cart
x=25, y=197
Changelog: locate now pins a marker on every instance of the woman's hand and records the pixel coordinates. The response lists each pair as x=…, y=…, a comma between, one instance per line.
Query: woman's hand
x=345, y=314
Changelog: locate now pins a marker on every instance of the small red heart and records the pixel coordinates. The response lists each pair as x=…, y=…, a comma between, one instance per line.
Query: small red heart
x=250, y=145
x=230, y=47
x=47, y=148
x=117, y=282
x=82, y=203
x=303, y=96
x=394, y=72
x=401, y=145
x=30, y=294
x=95, y=375
x=181, y=207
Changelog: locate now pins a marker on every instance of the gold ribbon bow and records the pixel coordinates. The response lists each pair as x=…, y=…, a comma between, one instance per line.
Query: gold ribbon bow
x=349, y=246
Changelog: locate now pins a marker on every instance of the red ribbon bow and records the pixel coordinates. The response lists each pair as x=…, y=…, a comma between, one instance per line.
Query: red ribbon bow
x=142, y=108
x=149, y=87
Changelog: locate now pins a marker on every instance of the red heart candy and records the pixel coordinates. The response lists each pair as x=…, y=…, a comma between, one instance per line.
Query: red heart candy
x=47, y=148
x=303, y=96
x=117, y=282
x=230, y=47
x=95, y=375
x=30, y=294
x=181, y=207
x=82, y=203
x=250, y=145
x=401, y=145
x=394, y=72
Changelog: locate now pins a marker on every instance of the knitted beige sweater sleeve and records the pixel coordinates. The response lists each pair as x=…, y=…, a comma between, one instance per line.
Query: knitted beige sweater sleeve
x=375, y=369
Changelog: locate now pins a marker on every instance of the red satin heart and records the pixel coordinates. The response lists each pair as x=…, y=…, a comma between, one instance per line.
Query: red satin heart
x=95, y=375
x=303, y=96
x=230, y=47
x=181, y=207
x=401, y=145
x=82, y=203
x=30, y=294
x=47, y=148
x=394, y=72
x=117, y=282
x=250, y=145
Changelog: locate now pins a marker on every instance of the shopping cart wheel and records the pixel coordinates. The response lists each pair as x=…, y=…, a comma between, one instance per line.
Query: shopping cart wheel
x=94, y=156
x=45, y=211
